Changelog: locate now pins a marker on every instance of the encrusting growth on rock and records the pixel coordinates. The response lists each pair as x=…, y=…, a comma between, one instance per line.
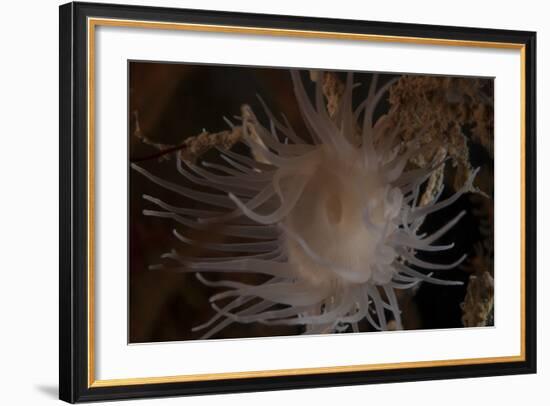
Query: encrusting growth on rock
x=438, y=111
x=478, y=303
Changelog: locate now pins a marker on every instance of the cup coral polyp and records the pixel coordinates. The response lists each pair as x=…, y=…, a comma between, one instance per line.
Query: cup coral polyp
x=331, y=218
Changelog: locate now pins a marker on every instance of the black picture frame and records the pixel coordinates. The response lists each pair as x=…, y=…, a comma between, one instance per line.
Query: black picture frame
x=74, y=384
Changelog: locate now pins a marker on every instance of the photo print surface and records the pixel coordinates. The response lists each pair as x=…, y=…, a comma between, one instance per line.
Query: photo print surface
x=274, y=202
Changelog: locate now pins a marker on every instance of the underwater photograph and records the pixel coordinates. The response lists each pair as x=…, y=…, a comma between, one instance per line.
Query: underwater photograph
x=268, y=202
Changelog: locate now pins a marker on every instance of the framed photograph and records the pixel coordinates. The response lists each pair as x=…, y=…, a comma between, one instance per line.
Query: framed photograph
x=257, y=202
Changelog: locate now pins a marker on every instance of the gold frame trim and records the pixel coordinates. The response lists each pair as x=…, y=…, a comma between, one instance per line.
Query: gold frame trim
x=94, y=22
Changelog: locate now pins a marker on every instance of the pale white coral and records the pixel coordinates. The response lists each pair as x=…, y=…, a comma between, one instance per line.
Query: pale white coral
x=330, y=218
